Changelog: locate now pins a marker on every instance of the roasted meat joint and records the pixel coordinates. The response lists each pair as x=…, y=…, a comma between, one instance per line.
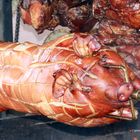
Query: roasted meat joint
x=124, y=11
x=118, y=25
x=46, y=14
x=73, y=79
x=86, y=76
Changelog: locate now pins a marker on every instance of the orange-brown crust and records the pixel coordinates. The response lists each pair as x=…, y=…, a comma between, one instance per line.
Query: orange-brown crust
x=126, y=11
x=27, y=77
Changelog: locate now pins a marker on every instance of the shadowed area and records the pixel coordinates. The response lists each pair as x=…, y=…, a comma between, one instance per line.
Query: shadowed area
x=39, y=127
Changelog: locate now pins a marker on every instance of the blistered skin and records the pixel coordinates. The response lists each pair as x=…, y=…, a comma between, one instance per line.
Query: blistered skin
x=72, y=79
x=124, y=11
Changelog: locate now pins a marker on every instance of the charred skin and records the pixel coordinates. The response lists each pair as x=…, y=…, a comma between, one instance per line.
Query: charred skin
x=42, y=15
x=72, y=79
x=76, y=16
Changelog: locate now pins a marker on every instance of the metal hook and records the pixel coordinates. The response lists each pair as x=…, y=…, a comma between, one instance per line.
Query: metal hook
x=136, y=95
x=134, y=117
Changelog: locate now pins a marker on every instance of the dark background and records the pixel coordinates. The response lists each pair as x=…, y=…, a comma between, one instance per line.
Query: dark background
x=41, y=128
x=6, y=20
x=18, y=126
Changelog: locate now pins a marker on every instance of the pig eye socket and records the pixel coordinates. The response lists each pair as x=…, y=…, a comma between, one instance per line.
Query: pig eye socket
x=86, y=89
x=104, y=58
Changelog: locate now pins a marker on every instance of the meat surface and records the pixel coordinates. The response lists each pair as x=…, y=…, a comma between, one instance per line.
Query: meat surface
x=131, y=54
x=43, y=15
x=118, y=27
x=123, y=11
x=111, y=32
x=72, y=79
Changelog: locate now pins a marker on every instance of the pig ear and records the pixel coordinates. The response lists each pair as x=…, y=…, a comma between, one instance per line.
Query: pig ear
x=62, y=81
x=85, y=45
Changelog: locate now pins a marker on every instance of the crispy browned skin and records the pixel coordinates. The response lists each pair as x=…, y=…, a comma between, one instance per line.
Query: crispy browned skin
x=72, y=79
x=76, y=16
x=124, y=39
x=111, y=32
x=124, y=11
x=42, y=15
x=118, y=26
x=131, y=54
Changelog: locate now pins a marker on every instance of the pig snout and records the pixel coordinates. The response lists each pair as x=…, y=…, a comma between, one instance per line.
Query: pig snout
x=125, y=91
x=121, y=93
